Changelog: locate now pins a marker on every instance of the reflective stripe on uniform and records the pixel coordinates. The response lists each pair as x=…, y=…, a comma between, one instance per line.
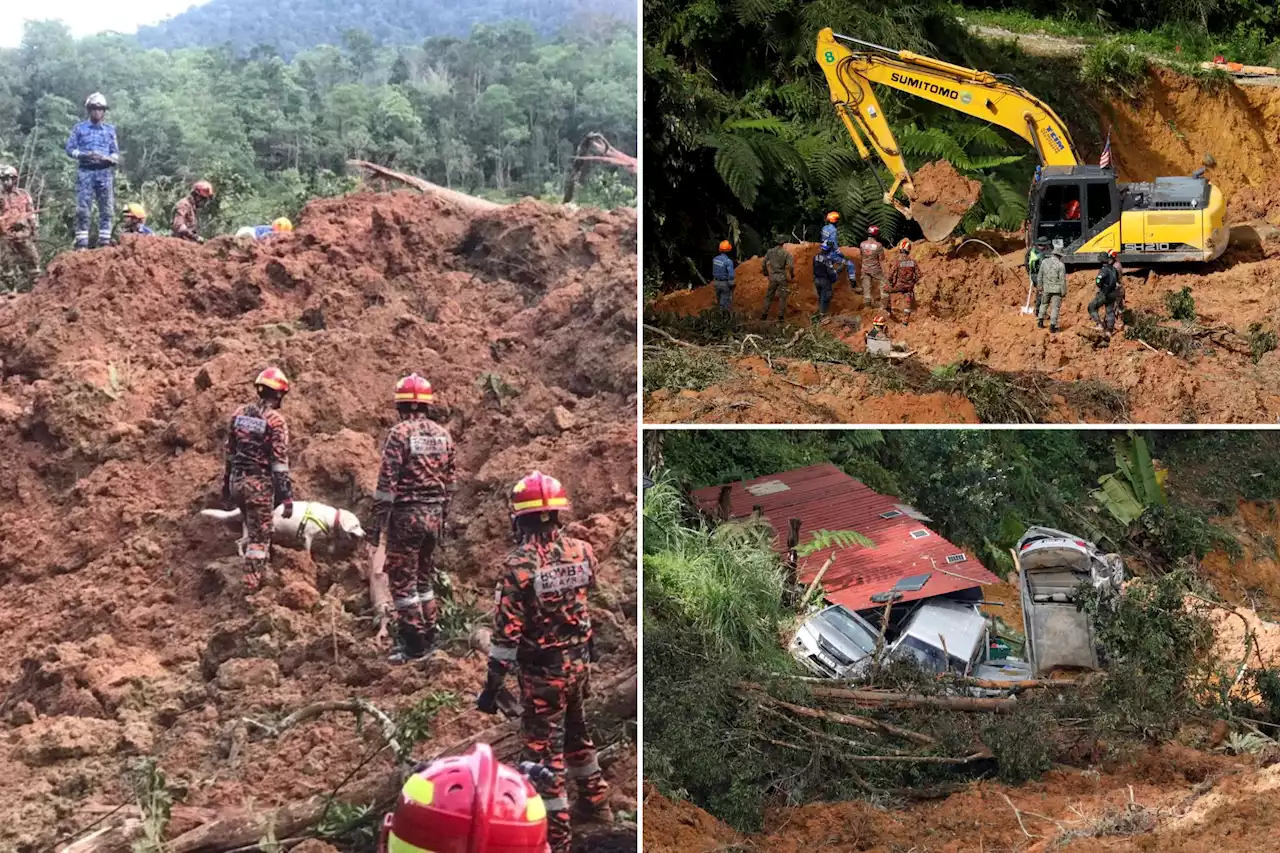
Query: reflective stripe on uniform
x=429, y=595
x=419, y=789
x=395, y=844
x=579, y=771
x=408, y=601
x=279, y=467
x=557, y=804
x=502, y=653
x=534, y=809
x=383, y=496
x=255, y=552
x=549, y=503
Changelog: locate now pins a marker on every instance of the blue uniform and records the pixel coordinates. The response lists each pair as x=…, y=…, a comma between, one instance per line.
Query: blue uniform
x=830, y=236
x=142, y=229
x=824, y=279
x=260, y=231
x=831, y=248
x=95, y=178
x=722, y=274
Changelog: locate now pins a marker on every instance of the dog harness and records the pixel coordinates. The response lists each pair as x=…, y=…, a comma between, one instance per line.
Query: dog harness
x=309, y=516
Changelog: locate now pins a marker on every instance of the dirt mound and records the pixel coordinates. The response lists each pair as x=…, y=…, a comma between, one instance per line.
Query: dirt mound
x=968, y=309
x=119, y=371
x=1170, y=798
x=941, y=189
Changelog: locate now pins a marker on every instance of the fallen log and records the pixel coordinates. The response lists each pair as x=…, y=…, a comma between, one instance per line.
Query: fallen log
x=467, y=202
x=901, y=759
x=610, y=707
x=886, y=699
x=867, y=723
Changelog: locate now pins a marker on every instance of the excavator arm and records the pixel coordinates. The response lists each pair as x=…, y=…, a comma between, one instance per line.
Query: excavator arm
x=851, y=66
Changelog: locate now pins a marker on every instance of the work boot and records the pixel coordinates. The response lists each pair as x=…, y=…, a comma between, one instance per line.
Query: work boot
x=410, y=645
x=1053, y=329
x=254, y=573
x=585, y=811
x=1040, y=323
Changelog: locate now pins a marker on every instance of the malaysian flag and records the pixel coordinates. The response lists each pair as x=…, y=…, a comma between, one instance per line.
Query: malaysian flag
x=1105, y=160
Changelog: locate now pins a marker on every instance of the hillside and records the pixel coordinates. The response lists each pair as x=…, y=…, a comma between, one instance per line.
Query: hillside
x=128, y=636
x=291, y=26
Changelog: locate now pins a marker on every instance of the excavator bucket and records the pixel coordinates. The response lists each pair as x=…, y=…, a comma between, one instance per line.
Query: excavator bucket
x=940, y=197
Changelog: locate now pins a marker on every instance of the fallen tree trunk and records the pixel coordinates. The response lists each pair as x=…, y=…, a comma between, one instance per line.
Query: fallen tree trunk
x=868, y=723
x=467, y=202
x=610, y=707
x=886, y=699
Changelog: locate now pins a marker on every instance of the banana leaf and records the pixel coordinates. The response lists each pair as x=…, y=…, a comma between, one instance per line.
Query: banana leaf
x=1116, y=497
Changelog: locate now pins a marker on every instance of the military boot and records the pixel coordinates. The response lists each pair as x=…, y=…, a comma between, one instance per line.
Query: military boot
x=585, y=811
x=410, y=645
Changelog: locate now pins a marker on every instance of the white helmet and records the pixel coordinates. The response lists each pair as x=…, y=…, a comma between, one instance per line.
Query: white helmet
x=97, y=99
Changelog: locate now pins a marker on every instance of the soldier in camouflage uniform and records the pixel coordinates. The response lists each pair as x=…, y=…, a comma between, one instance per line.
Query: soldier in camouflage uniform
x=415, y=485
x=542, y=627
x=256, y=477
x=18, y=220
x=780, y=267
x=186, y=219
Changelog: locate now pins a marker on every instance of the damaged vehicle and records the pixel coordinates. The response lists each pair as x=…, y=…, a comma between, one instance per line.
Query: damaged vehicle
x=951, y=636
x=1052, y=565
x=835, y=642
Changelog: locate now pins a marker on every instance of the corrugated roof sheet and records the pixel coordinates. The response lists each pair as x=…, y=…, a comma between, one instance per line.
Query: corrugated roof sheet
x=825, y=498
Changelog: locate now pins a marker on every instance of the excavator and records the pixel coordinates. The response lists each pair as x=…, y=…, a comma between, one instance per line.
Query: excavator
x=1167, y=220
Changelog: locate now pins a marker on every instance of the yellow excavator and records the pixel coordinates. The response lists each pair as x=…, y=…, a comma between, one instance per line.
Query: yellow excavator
x=1174, y=219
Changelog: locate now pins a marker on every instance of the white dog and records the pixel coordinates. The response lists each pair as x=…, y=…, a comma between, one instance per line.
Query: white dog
x=308, y=521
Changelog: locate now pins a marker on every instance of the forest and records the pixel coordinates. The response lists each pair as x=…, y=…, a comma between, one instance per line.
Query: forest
x=717, y=617
x=496, y=114
x=738, y=114
x=291, y=26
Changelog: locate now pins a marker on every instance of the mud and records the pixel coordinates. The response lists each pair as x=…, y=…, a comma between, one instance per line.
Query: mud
x=968, y=308
x=126, y=632
x=1167, y=799
x=939, y=188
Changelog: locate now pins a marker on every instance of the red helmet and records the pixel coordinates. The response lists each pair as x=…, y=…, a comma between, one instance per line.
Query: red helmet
x=204, y=189
x=725, y=245
x=538, y=493
x=874, y=230
x=904, y=245
x=273, y=378
x=1113, y=253
x=879, y=320
x=833, y=217
x=467, y=804
x=414, y=389
x=1073, y=209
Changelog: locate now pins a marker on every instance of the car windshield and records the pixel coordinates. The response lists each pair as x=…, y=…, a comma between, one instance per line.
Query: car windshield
x=852, y=630
x=931, y=659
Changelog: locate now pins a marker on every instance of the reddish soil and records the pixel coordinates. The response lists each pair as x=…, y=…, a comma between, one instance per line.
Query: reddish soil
x=1168, y=799
x=939, y=187
x=126, y=631
x=968, y=308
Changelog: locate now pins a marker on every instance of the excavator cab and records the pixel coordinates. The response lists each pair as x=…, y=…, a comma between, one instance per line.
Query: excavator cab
x=1079, y=205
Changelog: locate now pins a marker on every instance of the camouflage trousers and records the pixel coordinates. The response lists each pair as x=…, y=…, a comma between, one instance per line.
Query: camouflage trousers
x=895, y=289
x=412, y=535
x=24, y=248
x=777, y=286
x=253, y=494
x=1114, y=303
x=556, y=736
x=881, y=284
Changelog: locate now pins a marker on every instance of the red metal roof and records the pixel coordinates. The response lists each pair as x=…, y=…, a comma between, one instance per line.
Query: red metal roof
x=825, y=498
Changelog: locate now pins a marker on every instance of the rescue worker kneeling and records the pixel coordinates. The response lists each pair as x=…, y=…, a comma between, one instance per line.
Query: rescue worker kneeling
x=466, y=804
x=542, y=628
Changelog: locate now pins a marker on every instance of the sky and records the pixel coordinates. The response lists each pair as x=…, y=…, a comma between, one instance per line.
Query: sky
x=86, y=17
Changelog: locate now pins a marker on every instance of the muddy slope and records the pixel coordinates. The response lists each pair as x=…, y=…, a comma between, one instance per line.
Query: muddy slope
x=125, y=631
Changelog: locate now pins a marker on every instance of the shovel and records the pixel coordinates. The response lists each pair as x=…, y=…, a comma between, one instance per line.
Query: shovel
x=1031, y=289
x=380, y=589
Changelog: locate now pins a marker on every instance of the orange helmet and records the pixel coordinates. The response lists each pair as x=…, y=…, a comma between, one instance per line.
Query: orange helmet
x=833, y=217
x=273, y=378
x=204, y=189
x=725, y=245
x=467, y=804
x=538, y=493
x=904, y=245
x=414, y=389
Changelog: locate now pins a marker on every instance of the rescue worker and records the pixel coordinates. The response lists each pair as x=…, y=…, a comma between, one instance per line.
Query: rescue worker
x=873, y=266
x=780, y=267
x=906, y=275
x=830, y=238
x=256, y=477
x=186, y=220
x=1052, y=278
x=722, y=275
x=1110, y=294
x=18, y=221
x=92, y=144
x=1039, y=250
x=467, y=804
x=415, y=486
x=258, y=232
x=830, y=245
x=133, y=220
x=824, y=280
x=879, y=328
x=542, y=627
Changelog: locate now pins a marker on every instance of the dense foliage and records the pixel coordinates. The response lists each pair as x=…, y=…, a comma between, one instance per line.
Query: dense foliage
x=497, y=114
x=291, y=26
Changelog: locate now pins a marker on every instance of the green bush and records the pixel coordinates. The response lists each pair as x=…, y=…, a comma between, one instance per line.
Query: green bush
x=1261, y=341
x=1181, y=305
x=1175, y=531
x=678, y=368
x=1114, y=67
